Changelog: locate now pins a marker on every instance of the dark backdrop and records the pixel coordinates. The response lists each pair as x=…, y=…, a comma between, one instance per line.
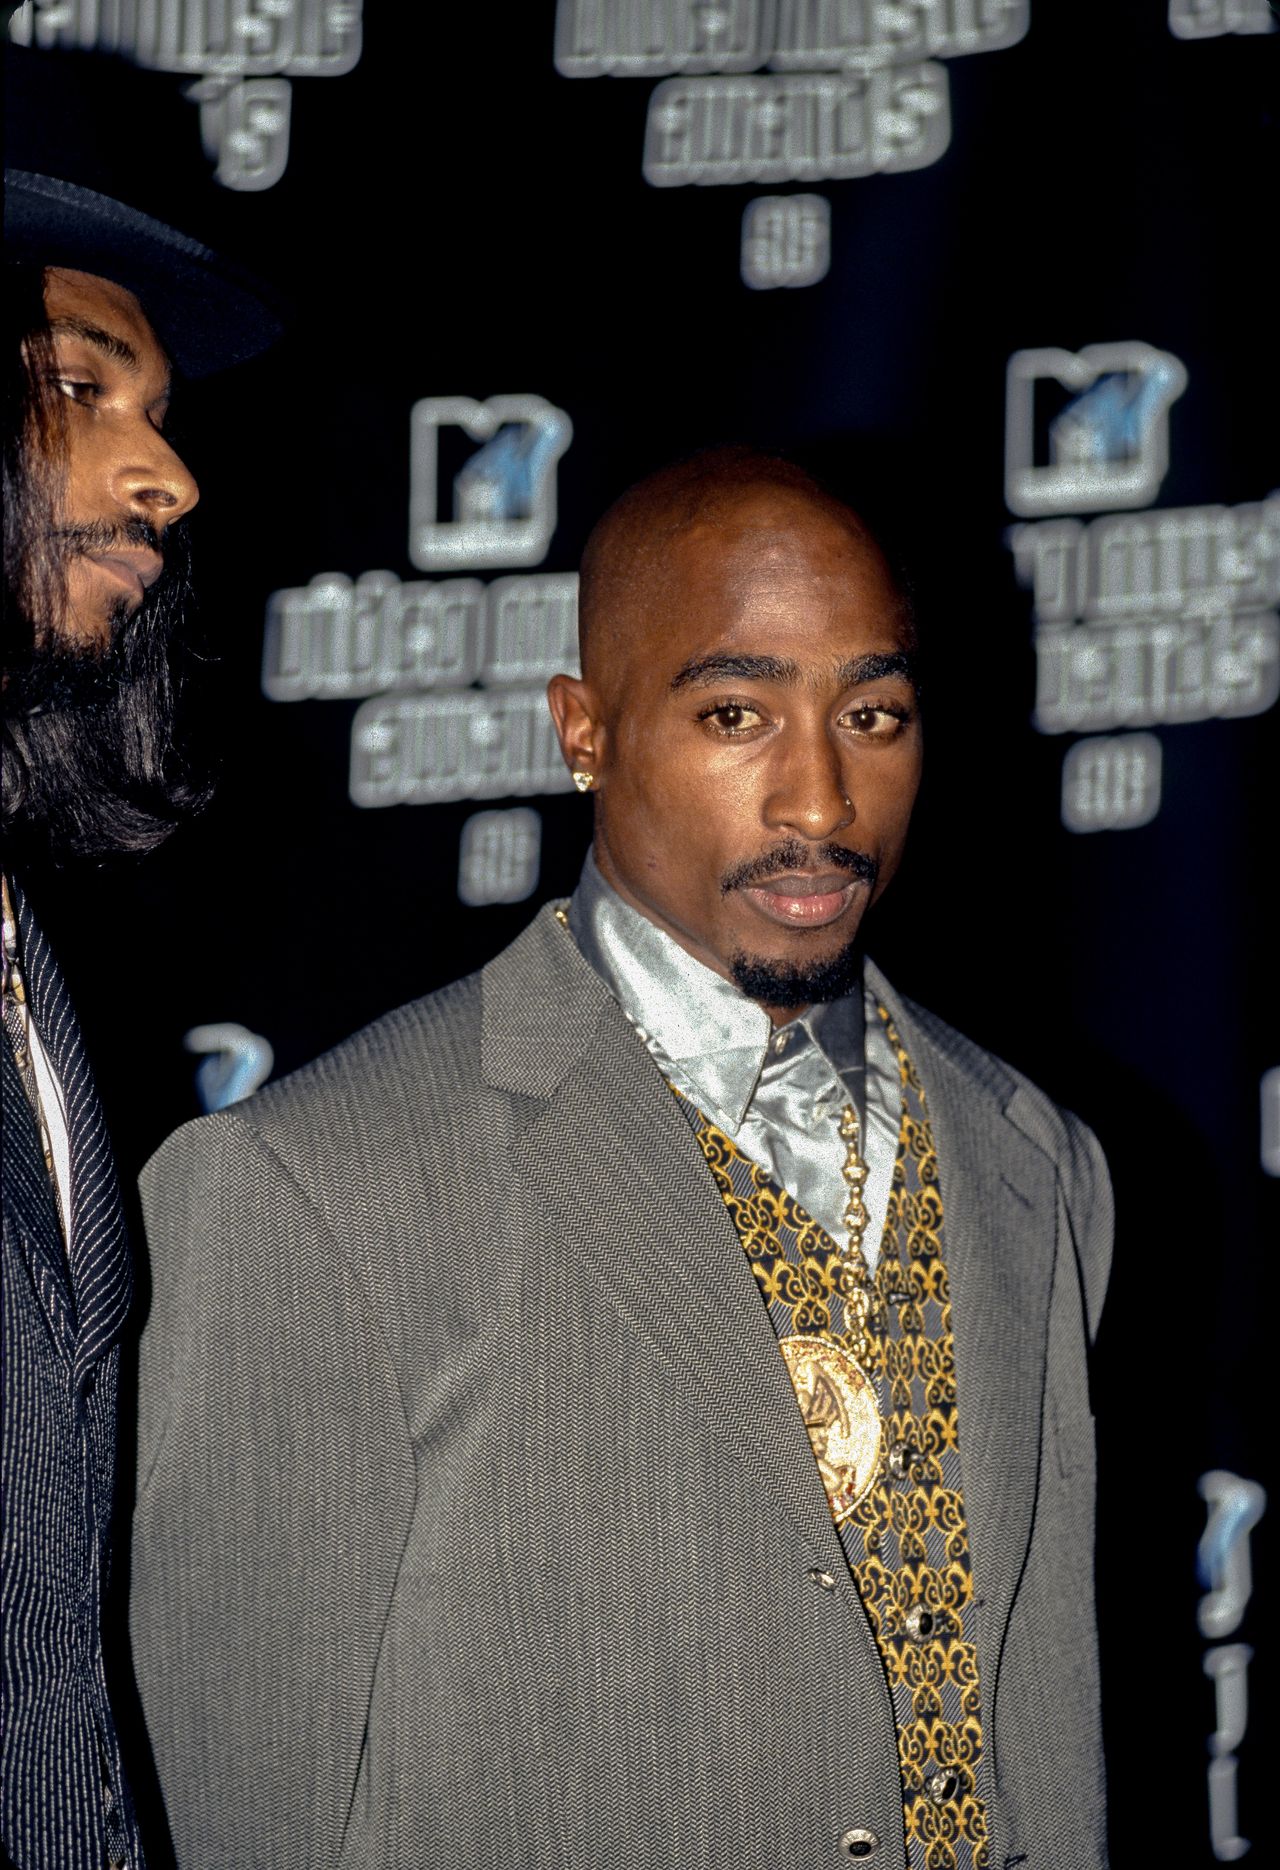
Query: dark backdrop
x=458, y=218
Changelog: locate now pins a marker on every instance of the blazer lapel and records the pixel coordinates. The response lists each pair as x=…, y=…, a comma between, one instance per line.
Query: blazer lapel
x=101, y=1267
x=614, y=1160
x=999, y=1195
x=30, y=1215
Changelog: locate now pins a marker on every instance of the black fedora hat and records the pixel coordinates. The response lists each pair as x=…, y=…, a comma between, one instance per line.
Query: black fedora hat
x=206, y=313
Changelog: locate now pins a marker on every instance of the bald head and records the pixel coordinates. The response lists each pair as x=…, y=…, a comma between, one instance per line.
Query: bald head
x=737, y=500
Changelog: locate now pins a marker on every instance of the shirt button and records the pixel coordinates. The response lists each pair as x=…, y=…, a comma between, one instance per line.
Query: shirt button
x=859, y=1842
x=920, y=1623
x=904, y=1456
x=781, y=1041
x=823, y=1579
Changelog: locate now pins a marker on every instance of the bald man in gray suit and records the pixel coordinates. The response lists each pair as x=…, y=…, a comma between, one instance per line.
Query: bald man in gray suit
x=631, y=1407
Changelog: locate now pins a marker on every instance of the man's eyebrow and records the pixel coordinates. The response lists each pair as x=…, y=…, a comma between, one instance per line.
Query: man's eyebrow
x=118, y=349
x=878, y=668
x=704, y=670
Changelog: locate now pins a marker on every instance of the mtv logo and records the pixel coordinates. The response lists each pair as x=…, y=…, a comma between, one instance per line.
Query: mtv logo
x=503, y=493
x=1088, y=430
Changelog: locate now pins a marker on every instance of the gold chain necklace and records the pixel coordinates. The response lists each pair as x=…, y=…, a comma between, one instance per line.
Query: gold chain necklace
x=832, y=1375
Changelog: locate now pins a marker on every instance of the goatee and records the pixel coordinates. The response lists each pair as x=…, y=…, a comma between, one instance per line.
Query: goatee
x=791, y=984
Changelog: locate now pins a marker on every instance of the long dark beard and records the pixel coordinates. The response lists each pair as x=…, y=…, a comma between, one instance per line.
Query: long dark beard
x=95, y=760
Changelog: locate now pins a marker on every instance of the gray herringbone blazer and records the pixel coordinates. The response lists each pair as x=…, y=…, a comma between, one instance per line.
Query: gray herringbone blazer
x=477, y=1522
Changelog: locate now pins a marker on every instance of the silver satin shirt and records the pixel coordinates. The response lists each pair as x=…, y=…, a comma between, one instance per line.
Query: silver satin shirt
x=778, y=1092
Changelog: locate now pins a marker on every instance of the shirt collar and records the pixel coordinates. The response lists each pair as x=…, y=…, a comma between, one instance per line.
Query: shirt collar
x=716, y=1038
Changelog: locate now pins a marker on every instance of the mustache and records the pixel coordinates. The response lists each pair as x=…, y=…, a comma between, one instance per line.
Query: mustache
x=103, y=535
x=791, y=854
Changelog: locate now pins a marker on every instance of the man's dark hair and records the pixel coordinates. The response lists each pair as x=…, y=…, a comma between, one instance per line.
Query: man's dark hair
x=34, y=459
x=92, y=759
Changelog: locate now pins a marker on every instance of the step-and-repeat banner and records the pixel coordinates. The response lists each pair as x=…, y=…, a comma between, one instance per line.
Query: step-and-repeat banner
x=994, y=269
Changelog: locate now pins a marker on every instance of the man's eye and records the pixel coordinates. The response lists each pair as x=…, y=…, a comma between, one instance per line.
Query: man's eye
x=732, y=717
x=879, y=721
x=79, y=389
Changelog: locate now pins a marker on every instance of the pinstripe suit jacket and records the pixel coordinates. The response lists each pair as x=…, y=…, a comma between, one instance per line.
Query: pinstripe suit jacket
x=477, y=1521
x=64, y=1308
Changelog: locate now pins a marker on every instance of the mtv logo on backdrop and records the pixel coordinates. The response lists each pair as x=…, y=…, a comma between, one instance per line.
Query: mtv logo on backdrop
x=1088, y=430
x=499, y=460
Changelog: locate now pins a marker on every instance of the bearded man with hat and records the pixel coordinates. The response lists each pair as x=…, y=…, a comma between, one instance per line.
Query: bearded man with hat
x=103, y=304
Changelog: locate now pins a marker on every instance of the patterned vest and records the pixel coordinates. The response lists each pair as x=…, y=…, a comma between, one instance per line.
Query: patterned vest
x=906, y=1542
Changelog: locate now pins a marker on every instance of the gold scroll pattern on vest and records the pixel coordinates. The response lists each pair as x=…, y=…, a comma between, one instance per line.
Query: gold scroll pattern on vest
x=906, y=1542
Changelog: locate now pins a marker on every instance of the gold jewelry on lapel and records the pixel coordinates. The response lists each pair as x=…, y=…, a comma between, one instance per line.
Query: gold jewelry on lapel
x=584, y=781
x=830, y=1374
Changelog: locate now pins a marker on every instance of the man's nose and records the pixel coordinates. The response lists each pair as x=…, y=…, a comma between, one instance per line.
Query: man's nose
x=154, y=482
x=809, y=794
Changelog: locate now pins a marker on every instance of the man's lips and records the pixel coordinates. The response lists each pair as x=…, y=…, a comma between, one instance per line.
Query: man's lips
x=800, y=901
x=133, y=571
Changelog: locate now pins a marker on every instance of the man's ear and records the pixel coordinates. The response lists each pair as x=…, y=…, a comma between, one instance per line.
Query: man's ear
x=575, y=711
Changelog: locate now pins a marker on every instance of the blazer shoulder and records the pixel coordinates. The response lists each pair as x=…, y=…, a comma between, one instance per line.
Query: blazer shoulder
x=428, y=1048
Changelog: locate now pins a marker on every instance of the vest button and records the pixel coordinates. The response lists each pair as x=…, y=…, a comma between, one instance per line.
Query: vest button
x=942, y=1785
x=823, y=1579
x=903, y=1457
x=859, y=1842
x=920, y=1623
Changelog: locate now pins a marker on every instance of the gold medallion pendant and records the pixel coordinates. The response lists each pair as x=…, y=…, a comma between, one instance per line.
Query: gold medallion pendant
x=838, y=1402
